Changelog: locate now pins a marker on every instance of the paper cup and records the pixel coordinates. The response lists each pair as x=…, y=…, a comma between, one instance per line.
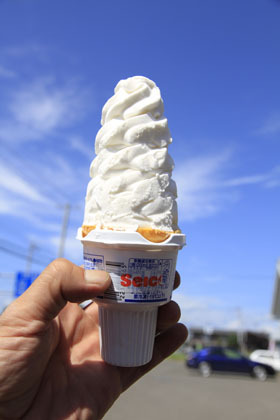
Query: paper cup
x=142, y=275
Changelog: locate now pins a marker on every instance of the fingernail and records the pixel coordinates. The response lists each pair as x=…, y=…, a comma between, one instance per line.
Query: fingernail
x=96, y=277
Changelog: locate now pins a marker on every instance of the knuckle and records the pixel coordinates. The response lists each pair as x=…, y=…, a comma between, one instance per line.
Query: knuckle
x=61, y=264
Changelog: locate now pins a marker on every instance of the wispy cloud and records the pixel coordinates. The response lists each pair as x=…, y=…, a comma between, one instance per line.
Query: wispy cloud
x=209, y=312
x=271, y=125
x=24, y=50
x=205, y=186
x=206, y=311
x=33, y=190
x=77, y=143
x=199, y=182
x=41, y=108
x=17, y=185
x=9, y=204
x=269, y=179
x=246, y=180
x=36, y=175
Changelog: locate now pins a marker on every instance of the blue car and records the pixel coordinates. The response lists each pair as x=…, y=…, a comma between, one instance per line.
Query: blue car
x=227, y=360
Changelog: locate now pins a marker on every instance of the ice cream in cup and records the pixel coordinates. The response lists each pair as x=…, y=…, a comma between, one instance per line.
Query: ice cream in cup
x=130, y=223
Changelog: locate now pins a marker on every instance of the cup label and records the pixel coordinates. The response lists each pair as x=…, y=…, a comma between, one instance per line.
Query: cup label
x=137, y=279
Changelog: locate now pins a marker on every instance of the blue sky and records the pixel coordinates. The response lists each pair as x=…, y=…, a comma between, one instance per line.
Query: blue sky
x=217, y=64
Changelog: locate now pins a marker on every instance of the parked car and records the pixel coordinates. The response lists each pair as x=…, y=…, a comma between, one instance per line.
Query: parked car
x=268, y=357
x=227, y=360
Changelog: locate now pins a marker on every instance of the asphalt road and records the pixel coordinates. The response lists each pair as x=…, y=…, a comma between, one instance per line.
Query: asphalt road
x=171, y=392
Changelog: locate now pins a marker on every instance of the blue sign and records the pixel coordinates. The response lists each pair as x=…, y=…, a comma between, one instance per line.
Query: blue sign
x=23, y=281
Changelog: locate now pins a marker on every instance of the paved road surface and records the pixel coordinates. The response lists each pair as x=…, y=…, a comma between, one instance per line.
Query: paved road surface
x=171, y=392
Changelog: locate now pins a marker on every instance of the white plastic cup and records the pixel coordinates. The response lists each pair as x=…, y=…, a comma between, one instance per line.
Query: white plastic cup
x=142, y=275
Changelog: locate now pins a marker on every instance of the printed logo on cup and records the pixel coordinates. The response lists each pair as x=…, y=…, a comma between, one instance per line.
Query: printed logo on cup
x=138, y=281
x=135, y=280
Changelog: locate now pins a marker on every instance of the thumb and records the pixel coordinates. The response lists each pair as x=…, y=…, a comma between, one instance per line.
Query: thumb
x=61, y=282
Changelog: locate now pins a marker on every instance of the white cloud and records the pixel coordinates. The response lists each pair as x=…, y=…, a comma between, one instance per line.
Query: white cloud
x=246, y=180
x=38, y=110
x=202, y=311
x=11, y=131
x=41, y=108
x=19, y=51
x=272, y=125
x=32, y=189
x=35, y=212
x=269, y=179
x=208, y=312
x=9, y=205
x=199, y=186
x=77, y=143
x=17, y=185
x=205, y=187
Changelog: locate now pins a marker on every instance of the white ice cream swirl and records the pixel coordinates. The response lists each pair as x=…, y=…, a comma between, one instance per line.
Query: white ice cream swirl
x=131, y=183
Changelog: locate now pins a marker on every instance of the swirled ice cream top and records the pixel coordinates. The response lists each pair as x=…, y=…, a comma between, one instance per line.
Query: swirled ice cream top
x=131, y=183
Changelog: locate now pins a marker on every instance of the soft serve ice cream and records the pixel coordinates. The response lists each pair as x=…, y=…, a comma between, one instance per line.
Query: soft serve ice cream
x=130, y=223
x=131, y=187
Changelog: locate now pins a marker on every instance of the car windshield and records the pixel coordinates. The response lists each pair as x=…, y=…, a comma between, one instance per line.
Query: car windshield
x=216, y=351
x=232, y=354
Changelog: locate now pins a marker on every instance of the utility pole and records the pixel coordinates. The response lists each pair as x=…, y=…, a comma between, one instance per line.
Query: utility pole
x=240, y=331
x=64, y=228
x=29, y=258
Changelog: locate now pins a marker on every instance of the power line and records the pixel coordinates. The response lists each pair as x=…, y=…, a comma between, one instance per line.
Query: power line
x=22, y=256
x=11, y=245
x=6, y=243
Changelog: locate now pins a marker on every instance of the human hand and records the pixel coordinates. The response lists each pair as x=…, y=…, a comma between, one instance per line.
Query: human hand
x=50, y=364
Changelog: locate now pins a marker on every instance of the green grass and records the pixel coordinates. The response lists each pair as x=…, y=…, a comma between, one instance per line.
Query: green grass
x=177, y=356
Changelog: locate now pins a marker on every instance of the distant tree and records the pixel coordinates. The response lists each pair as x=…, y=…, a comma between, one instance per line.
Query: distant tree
x=232, y=341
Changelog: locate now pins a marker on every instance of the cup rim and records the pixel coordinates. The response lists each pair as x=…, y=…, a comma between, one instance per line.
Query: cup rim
x=109, y=237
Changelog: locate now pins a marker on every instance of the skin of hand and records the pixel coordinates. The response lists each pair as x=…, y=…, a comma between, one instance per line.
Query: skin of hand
x=50, y=364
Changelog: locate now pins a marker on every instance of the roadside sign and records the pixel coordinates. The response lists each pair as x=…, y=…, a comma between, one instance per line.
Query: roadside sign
x=23, y=281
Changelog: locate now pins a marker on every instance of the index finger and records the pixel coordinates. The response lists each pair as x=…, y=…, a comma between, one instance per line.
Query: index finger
x=177, y=280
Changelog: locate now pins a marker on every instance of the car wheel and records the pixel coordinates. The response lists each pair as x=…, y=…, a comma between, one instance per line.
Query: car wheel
x=260, y=373
x=204, y=369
